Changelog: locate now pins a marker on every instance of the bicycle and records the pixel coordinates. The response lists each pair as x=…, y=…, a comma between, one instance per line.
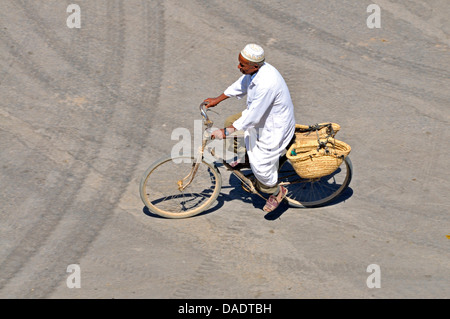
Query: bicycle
x=185, y=186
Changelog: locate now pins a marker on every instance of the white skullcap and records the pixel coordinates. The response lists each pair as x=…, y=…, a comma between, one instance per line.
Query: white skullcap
x=253, y=52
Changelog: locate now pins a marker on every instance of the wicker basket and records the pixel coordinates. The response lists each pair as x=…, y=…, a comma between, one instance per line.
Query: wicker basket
x=317, y=153
x=323, y=129
x=306, y=136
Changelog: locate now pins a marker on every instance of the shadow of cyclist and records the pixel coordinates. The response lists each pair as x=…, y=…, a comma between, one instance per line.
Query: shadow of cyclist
x=238, y=193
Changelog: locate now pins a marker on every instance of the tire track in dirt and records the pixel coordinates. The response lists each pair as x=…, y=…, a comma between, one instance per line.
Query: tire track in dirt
x=412, y=68
x=284, y=20
x=78, y=238
x=64, y=202
x=135, y=119
x=32, y=240
x=283, y=14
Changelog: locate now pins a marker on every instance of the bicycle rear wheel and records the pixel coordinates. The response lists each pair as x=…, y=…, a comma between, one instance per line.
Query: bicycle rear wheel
x=160, y=188
x=316, y=192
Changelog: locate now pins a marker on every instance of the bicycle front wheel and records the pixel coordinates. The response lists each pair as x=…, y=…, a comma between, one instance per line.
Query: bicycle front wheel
x=166, y=191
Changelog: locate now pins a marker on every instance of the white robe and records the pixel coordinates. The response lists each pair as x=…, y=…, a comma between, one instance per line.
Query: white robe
x=268, y=121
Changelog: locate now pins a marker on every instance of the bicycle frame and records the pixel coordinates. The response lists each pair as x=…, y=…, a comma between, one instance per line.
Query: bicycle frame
x=208, y=123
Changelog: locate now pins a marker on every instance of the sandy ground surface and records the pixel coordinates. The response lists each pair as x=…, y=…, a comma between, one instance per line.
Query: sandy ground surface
x=84, y=112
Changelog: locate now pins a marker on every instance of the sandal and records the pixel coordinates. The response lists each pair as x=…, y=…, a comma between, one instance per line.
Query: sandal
x=273, y=201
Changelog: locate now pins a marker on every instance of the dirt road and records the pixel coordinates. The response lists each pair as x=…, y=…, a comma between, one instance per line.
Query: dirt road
x=84, y=111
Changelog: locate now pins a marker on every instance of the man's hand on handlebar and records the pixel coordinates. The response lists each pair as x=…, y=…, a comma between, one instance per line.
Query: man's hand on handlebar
x=219, y=134
x=210, y=102
x=213, y=101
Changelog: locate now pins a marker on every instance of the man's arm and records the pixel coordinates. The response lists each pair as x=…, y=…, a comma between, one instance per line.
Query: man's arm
x=215, y=100
x=263, y=99
x=238, y=89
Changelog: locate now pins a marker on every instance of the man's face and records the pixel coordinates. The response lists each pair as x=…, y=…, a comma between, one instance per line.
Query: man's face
x=246, y=67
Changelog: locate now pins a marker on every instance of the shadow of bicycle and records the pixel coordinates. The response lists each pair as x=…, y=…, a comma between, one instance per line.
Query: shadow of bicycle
x=239, y=194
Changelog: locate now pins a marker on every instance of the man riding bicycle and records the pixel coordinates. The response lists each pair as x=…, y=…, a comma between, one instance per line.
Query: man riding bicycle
x=268, y=121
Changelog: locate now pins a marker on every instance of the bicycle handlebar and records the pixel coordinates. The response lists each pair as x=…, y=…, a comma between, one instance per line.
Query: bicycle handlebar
x=206, y=119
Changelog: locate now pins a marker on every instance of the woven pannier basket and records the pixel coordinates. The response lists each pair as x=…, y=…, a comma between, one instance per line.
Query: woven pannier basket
x=324, y=130
x=317, y=153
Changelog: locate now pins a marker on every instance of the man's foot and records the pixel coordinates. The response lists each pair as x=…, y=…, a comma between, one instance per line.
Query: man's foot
x=273, y=201
x=238, y=164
